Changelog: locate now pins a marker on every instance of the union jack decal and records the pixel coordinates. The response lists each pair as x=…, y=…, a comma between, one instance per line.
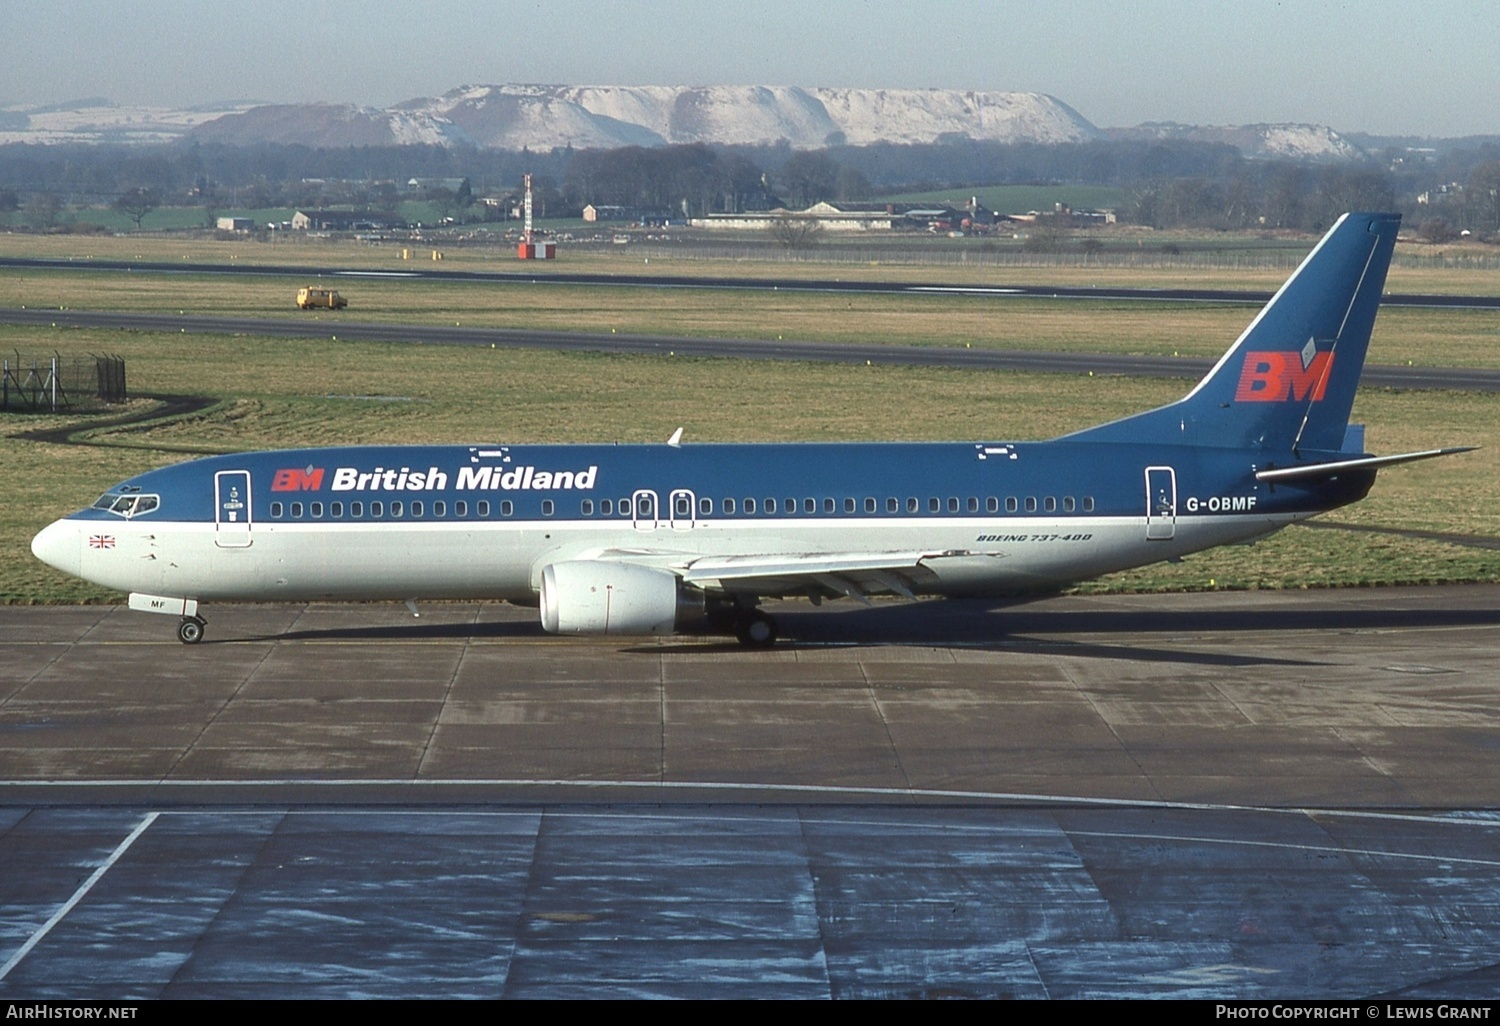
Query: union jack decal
x=101, y=541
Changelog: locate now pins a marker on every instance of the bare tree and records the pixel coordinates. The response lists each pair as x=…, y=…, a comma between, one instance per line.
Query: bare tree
x=137, y=203
x=796, y=232
x=43, y=208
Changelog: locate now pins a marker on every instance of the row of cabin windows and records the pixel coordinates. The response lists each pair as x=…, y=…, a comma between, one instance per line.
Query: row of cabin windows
x=682, y=507
x=376, y=508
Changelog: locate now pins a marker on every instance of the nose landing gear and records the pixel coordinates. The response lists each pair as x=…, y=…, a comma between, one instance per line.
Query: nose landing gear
x=190, y=630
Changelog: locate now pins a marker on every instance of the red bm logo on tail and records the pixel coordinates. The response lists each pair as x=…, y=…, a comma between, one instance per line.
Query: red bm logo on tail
x=1279, y=377
x=296, y=479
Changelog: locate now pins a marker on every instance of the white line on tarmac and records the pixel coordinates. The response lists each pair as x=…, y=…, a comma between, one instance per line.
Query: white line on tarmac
x=78, y=895
x=1456, y=817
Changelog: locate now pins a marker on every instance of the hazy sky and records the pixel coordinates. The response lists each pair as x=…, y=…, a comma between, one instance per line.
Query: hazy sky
x=1423, y=68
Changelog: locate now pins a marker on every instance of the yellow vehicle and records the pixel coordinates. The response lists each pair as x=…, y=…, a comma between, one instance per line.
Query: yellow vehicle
x=312, y=298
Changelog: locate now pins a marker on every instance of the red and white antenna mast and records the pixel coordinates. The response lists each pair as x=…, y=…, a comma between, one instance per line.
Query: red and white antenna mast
x=526, y=205
x=530, y=249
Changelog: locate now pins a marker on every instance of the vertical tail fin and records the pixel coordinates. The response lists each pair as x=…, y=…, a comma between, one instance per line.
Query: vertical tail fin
x=1288, y=382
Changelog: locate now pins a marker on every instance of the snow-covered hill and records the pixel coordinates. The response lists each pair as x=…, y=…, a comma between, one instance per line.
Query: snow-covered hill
x=545, y=117
x=1295, y=142
x=99, y=121
x=592, y=117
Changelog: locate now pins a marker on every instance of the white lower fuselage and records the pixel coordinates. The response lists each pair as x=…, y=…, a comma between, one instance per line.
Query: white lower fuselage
x=503, y=560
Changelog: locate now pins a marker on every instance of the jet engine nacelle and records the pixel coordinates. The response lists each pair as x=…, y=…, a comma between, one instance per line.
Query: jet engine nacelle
x=601, y=597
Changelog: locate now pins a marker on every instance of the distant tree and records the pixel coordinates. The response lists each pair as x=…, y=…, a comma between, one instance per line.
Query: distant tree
x=810, y=176
x=445, y=200
x=1047, y=235
x=9, y=203
x=1482, y=195
x=851, y=186
x=796, y=232
x=136, y=203
x=1437, y=230
x=43, y=209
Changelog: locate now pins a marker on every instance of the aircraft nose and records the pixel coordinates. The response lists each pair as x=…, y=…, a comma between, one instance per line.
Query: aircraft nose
x=57, y=545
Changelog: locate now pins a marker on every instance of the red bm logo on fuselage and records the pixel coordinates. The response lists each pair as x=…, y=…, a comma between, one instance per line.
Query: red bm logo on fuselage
x=297, y=479
x=1280, y=377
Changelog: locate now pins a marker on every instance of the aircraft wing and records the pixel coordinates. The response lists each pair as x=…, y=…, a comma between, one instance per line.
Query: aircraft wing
x=1318, y=471
x=855, y=574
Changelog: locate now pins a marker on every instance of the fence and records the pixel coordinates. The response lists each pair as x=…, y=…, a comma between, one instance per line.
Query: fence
x=54, y=382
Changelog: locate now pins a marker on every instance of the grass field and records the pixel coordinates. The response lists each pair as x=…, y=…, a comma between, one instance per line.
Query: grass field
x=1424, y=337
x=1426, y=522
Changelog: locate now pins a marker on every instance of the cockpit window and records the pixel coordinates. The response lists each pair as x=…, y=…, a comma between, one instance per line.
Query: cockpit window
x=127, y=505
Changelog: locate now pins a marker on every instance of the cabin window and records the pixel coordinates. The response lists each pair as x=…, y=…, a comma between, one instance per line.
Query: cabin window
x=789, y=506
x=1010, y=504
x=1031, y=503
x=809, y=505
x=547, y=507
x=377, y=509
x=506, y=507
x=336, y=509
x=296, y=511
x=912, y=506
x=397, y=509
x=769, y=506
x=482, y=508
x=849, y=506
x=973, y=504
x=276, y=510
x=1088, y=504
x=952, y=504
x=416, y=507
x=706, y=507
x=991, y=504
x=624, y=505
x=586, y=507
x=727, y=505
x=749, y=505
x=892, y=506
x=606, y=507
x=460, y=508
x=1068, y=503
x=933, y=505
x=356, y=509
x=316, y=509
x=683, y=509
x=869, y=504
x=1050, y=504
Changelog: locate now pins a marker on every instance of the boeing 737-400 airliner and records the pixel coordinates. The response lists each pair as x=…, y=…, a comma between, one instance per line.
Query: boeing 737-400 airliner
x=651, y=539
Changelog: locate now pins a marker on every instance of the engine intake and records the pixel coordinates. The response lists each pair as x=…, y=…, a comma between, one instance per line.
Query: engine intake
x=601, y=597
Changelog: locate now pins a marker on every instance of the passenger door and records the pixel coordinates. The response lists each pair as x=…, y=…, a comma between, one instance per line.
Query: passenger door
x=232, y=509
x=1161, y=503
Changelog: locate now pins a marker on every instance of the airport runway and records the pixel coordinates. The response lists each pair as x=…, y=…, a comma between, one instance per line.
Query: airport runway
x=551, y=275
x=1248, y=795
x=1380, y=376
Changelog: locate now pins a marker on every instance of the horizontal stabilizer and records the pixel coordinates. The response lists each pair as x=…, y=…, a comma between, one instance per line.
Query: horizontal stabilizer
x=1319, y=471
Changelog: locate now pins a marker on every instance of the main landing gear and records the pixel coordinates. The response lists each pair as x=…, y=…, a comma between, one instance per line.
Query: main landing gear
x=755, y=629
x=190, y=630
